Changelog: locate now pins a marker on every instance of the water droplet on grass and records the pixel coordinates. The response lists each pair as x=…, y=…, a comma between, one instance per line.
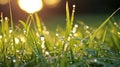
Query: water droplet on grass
x=0, y=36
x=42, y=38
x=14, y=60
x=70, y=62
x=16, y=40
x=54, y=47
x=118, y=33
x=86, y=27
x=24, y=31
x=19, y=57
x=95, y=60
x=8, y=57
x=74, y=6
x=17, y=51
x=76, y=25
x=6, y=18
x=69, y=38
x=47, y=53
x=57, y=34
x=74, y=30
x=10, y=31
x=43, y=45
x=22, y=39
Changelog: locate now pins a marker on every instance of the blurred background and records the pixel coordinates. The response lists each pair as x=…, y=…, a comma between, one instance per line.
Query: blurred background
x=53, y=12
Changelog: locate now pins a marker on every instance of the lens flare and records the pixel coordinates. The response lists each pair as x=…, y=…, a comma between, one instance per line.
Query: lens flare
x=52, y=3
x=30, y=6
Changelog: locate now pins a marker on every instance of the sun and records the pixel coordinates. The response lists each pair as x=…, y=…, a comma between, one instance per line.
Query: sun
x=30, y=6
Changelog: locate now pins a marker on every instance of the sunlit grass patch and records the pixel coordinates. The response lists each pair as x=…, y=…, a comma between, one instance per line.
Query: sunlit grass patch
x=78, y=45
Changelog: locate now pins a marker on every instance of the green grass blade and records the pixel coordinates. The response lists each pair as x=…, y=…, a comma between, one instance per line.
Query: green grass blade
x=12, y=26
x=22, y=23
x=101, y=26
x=26, y=26
x=38, y=23
x=68, y=27
x=11, y=17
x=103, y=39
x=28, y=19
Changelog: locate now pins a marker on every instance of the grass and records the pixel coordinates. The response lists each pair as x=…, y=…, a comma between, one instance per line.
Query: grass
x=79, y=45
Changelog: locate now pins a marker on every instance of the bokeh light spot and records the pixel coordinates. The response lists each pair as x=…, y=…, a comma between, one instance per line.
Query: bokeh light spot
x=30, y=6
x=52, y=3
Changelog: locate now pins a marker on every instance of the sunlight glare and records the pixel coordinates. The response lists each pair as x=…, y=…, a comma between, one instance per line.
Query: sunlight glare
x=30, y=6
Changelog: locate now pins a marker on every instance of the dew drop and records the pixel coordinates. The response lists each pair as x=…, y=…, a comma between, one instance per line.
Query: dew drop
x=22, y=39
x=0, y=36
x=54, y=47
x=115, y=23
x=8, y=57
x=16, y=40
x=95, y=60
x=10, y=31
x=57, y=34
x=24, y=31
x=14, y=60
x=37, y=34
x=47, y=53
x=69, y=38
x=118, y=33
x=42, y=38
x=70, y=62
x=6, y=18
x=76, y=25
x=17, y=51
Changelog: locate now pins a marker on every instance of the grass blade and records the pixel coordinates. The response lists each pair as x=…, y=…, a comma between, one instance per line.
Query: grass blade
x=38, y=23
x=11, y=17
x=102, y=25
x=103, y=39
x=68, y=27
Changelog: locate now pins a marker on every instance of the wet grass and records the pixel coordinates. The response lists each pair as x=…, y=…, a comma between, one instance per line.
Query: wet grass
x=77, y=45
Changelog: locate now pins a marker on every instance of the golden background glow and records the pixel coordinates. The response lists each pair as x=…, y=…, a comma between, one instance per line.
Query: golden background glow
x=30, y=6
x=3, y=2
x=52, y=3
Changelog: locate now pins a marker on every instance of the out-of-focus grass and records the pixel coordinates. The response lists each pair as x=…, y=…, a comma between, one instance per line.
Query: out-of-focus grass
x=76, y=45
x=93, y=20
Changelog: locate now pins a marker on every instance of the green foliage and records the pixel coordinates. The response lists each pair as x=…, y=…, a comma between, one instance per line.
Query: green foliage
x=101, y=26
x=69, y=19
x=32, y=45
